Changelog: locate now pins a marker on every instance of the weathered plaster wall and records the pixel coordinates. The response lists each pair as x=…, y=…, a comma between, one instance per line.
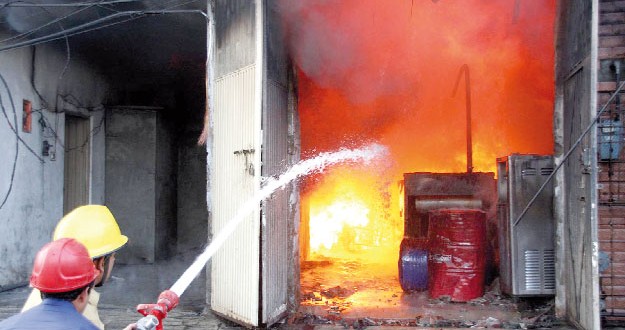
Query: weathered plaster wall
x=35, y=201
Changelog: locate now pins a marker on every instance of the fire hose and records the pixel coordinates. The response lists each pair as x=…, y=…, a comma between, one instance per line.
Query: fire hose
x=153, y=314
x=169, y=299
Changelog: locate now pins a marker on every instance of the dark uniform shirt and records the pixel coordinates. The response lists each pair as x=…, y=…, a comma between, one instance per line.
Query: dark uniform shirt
x=51, y=314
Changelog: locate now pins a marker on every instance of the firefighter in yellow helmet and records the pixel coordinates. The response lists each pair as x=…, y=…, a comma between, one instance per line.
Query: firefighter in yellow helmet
x=95, y=227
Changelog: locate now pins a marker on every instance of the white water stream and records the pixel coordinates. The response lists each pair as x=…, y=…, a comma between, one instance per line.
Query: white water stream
x=313, y=165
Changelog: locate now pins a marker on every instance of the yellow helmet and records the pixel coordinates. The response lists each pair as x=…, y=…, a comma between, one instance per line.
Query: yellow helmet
x=95, y=227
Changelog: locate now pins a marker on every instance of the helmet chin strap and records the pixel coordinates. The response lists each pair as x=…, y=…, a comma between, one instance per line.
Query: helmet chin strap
x=104, y=270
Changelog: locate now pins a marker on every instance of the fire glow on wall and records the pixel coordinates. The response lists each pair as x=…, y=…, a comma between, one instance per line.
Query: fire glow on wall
x=385, y=71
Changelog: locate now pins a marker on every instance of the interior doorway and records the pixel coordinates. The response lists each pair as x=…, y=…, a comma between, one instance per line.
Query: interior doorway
x=77, y=162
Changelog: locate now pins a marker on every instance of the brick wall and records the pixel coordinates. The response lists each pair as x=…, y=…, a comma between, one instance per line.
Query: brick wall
x=611, y=178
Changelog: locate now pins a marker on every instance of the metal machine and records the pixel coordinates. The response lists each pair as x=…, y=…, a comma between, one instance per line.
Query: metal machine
x=526, y=241
x=425, y=192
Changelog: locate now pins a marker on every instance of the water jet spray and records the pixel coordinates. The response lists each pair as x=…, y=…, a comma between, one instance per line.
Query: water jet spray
x=169, y=299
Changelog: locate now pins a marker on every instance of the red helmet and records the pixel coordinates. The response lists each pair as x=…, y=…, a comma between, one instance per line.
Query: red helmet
x=61, y=266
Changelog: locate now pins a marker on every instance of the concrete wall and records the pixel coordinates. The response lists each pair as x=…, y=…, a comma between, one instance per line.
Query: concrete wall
x=155, y=181
x=35, y=200
x=141, y=181
x=166, y=188
x=192, y=212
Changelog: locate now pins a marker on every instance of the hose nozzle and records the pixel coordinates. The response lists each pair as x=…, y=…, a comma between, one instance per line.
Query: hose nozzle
x=155, y=313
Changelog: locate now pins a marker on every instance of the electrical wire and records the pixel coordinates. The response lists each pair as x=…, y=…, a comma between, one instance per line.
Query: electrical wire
x=32, y=77
x=109, y=8
x=82, y=28
x=47, y=126
x=179, y=4
x=44, y=103
x=93, y=132
x=77, y=4
x=17, y=145
x=76, y=30
x=14, y=129
x=569, y=152
x=31, y=14
x=56, y=20
x=42, y=100
x=64, y=33
x=67, y=60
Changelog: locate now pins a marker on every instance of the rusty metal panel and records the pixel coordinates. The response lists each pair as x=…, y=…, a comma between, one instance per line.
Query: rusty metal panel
x=234, y=180
x=274, y=227
x=577, y=289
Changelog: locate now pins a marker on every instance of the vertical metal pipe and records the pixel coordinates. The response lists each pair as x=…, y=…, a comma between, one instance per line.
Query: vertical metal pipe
x=467, y=79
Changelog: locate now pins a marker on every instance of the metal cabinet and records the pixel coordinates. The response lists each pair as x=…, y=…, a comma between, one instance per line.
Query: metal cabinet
x=526, y=243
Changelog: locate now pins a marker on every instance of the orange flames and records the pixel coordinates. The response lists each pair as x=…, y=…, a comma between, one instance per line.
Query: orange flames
x=349, y=219
x=384, y=71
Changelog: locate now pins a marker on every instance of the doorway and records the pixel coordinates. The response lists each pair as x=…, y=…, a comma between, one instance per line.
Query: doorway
x=77, y=162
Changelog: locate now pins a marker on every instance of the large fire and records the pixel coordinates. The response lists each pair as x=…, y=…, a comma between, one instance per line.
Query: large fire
x=349, y=219
x=384, y=71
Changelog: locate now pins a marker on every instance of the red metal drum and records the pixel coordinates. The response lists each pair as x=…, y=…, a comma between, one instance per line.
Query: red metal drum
x=457, y=258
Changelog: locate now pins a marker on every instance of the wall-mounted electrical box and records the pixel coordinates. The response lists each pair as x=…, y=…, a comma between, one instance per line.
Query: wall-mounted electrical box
x=27, y=117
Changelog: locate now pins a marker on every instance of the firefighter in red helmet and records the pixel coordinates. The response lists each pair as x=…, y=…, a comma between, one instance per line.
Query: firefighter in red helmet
x=64, y=274
x=95, y=227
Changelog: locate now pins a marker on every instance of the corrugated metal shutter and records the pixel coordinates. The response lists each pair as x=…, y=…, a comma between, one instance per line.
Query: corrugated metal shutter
x=274, y=229
x=76, y=178
x=236, y=177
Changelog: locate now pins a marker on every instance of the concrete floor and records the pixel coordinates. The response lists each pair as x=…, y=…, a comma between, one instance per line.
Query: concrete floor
x=134, y=284
x=131, y=285
x=343, y=292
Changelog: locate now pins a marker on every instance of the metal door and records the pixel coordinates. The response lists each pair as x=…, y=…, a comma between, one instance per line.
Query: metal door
x=274, y=225
x=235, y=178
x=249, y=116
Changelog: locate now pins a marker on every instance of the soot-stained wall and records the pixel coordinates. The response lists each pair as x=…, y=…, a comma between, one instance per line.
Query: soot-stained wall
x=31, y=184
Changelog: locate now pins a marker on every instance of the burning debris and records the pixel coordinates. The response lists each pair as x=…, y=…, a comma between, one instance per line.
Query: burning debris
x=423, y=322
x=362, y=302
x=538, y=318
x=337, y=292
